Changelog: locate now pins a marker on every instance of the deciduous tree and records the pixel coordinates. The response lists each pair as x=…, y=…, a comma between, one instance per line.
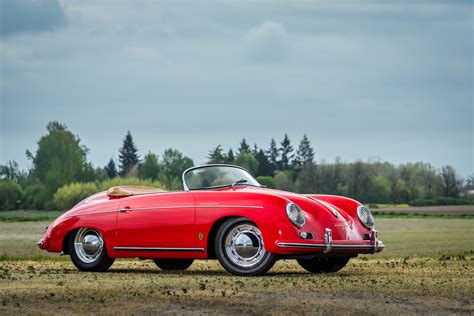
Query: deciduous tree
x=150, y=167
x=173, y=164
x=60, y=158
x=247, y=161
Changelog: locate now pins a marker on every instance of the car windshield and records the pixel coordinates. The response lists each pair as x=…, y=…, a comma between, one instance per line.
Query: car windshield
x=216, y=176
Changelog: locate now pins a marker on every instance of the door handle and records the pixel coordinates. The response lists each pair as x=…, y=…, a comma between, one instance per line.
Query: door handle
x=125, y=209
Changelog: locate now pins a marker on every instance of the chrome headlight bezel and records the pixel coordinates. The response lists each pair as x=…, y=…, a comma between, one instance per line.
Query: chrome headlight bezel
x=298, y=220
x=365, y=216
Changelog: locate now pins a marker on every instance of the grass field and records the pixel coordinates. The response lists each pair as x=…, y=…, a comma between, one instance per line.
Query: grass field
x=427, y=268
x=28, y=216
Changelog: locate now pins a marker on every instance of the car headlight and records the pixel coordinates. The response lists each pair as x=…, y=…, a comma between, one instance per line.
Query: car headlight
x=295, y=214
x=365, y=216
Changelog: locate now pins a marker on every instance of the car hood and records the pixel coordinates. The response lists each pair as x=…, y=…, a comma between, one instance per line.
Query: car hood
x=311, y=205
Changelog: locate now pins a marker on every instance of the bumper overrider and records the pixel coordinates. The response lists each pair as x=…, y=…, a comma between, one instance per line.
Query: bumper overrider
x=370, y=246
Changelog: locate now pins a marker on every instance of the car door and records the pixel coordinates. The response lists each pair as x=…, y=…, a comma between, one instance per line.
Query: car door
x=164, y=220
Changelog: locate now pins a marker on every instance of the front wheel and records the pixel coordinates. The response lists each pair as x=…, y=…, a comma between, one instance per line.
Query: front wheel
x=323, y=265
x=173, y=264
x=87, y=251
x=240, y=249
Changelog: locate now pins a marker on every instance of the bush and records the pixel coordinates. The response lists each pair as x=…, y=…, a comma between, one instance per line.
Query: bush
x=69, y=195
x=440, y=201
x=283, y=180
x=105, y=185
x=267, y=181
x=11, y=195
x=36, y=197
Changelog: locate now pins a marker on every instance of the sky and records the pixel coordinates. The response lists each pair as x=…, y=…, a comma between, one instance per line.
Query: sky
x=369, y=80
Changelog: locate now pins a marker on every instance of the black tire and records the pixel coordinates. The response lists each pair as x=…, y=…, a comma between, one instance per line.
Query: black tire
x=262, y=260
x=323, y=265
x=101, y=264
x=173, y=264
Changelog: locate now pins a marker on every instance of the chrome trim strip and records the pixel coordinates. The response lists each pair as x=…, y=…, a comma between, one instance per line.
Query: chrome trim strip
x=164, y=208
x=323, y=246
x=92, y=213
x=299, y=245
x=197, y=206
x=159, y=249
x=229, y=206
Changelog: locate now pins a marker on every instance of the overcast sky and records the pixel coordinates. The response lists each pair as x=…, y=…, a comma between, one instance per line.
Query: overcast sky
x=391, y=79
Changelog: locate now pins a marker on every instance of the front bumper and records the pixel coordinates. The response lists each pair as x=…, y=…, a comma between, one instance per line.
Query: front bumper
x=328, y=245
x=42, y=244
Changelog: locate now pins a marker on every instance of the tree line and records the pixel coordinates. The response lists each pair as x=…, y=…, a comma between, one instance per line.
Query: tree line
x=61, y=174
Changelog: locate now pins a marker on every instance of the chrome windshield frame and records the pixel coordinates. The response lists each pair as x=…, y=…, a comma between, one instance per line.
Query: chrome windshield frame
x=186, y=188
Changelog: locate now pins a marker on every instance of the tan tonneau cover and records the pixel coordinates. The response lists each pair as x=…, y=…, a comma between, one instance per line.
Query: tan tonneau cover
x=129, y=190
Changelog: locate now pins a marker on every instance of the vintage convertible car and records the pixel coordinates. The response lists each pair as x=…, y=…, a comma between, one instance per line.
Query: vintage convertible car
x=222, y=213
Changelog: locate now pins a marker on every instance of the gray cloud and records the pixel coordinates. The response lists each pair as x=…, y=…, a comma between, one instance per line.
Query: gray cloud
x=30, y=16
x=392, y=80
x=268, y=42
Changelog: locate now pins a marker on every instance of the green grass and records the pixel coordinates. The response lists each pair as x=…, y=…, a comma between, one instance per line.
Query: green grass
x=404, y=236
x=378, y=215
x=28, y=216
x=409, y=237
x=379, y=205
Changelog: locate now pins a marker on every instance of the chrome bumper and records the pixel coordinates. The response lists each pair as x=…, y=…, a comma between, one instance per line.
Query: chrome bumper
x=374, y=246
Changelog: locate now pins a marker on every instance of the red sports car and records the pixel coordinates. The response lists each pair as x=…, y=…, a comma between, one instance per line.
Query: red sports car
x=222, y=213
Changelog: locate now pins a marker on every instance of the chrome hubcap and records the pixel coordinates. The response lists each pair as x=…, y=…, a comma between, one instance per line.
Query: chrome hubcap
x=244, y=245
x=88, y=244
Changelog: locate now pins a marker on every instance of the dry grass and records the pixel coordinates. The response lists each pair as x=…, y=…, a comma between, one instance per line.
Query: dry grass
x=428, y=210
x=427, y=268
x=408, y=286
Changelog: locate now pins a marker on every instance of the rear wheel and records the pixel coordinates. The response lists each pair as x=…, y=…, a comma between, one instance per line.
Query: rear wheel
x=173, y=264
x=240, y=249
x=87, y=251
x=323, y=265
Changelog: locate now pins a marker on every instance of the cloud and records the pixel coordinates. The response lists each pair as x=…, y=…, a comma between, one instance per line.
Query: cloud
x=30, y=16
x=268, y=42
x=176, y=72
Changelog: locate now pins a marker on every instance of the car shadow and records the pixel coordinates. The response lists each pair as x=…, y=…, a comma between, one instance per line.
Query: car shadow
x=200, y=272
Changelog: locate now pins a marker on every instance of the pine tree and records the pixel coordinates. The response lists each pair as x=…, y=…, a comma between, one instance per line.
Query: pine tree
x=273, y=155
x=255, y=150
x=286, y=153
x=216, y=155
x=264, y=166
x=110, y=169
x=230, y=156
x=244, y=147
x=128, y=155
x=304, y=154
